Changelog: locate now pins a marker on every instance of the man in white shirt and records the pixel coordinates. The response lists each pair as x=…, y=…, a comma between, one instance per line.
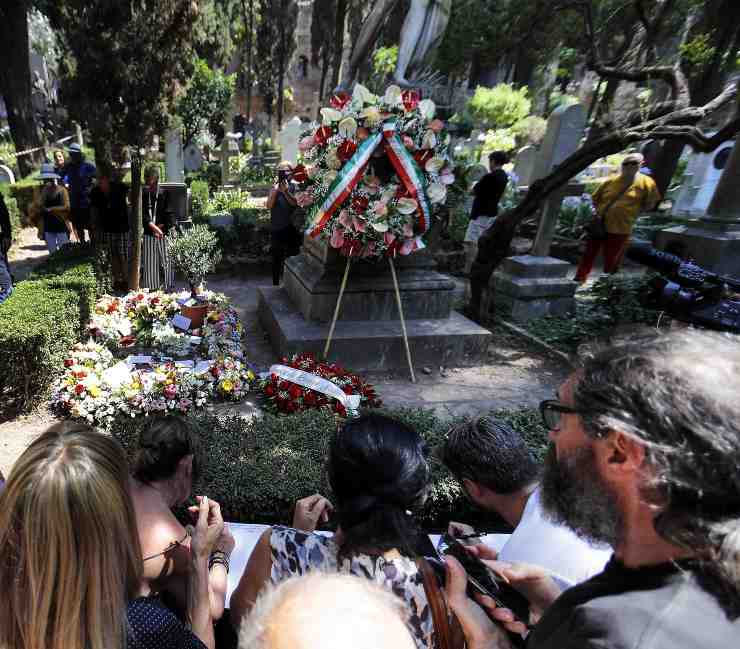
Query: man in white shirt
x=498, y=473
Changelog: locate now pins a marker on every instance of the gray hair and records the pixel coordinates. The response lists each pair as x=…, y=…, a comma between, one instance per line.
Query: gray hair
x=344, y=601
x=679, y=396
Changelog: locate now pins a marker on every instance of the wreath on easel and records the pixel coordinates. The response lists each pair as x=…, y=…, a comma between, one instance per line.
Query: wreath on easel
x=374, y=172
x=371, y=176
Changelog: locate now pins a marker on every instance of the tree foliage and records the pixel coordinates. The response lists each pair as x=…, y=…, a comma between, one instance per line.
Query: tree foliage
x=499, y=107
x=206, y=100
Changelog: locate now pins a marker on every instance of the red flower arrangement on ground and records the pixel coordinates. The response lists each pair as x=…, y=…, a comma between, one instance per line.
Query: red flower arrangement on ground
x=285, y=397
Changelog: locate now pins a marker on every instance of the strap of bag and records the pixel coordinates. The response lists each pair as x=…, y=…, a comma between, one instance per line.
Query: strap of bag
x=612, y=202
x=437, y=605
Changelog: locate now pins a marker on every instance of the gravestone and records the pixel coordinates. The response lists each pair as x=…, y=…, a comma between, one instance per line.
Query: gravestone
x=700, y=181
x=193, y=158
x=565, y=128
x=368, y=331
x=714, y=241
x=174, y=162
x=535, y=285
x=524, y=165
x=6, y=175
x=229, y=149
x=288, y=138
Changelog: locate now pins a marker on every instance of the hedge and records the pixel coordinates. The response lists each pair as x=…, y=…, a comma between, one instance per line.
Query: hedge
x=41, y=320
x=256, y=469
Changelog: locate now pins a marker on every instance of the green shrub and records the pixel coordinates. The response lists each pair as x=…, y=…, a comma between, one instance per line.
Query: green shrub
x=501, y=106
x=38, y=325
x=15, y=217
x=530, y=130
x=199, y=194
x=257, y=469
x=193, y=253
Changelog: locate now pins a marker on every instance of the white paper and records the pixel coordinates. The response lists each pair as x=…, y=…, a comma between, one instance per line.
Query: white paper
x=195, y=340
x=124, y=328
x=203, y=366
x=180, y=322
x=184, y=364
x=117, y=375
x=138, y=360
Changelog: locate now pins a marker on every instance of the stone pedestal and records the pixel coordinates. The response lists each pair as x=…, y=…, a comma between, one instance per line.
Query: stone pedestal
x=529, y=287
x=368, y=331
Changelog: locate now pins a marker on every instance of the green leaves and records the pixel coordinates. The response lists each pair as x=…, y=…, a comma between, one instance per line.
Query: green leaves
x=194, y=253
x=501, y=106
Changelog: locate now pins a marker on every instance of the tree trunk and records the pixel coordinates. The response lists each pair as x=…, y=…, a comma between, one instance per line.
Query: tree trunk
x=135, y=268
x=338, y=42
x=324, y=71
x=15, y=83
x=249, y=59
x=666, y=162
x=280, y=92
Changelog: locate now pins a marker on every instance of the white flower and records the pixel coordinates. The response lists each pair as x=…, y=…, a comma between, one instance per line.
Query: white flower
x=379, y=227
x=371, y=115
x=332, y=160
x=329, y=176
x=348, y=127
x=330, y=115
x=427, y=109
x=392, y=96
x=389, y=194
x=407, y=205
x=437, y=193
x=362, y=95
x=429, y=141
x=433, y=165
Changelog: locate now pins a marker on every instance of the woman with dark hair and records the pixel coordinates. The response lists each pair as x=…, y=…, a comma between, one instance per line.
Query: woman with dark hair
x=156, y=270
x=166, y=464
x=378, y=471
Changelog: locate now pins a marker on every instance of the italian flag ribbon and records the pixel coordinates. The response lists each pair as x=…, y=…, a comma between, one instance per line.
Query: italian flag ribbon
x=351, y=173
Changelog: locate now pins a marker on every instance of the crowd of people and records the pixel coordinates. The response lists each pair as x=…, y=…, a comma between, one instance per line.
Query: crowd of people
x=627, y=536
x=78, y=202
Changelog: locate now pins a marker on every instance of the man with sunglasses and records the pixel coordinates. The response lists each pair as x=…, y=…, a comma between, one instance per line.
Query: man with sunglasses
x=644, y=455
x=618, y=202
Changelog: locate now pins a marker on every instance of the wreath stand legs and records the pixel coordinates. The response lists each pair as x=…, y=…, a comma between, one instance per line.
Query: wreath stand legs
x=336, y=309
x=400, y=313
x=403, y=321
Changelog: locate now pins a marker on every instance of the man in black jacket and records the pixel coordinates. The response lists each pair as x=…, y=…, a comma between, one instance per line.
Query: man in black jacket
x=6, y=238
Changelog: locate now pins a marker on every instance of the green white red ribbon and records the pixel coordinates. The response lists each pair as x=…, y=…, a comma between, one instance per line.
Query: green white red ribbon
x=351, y=173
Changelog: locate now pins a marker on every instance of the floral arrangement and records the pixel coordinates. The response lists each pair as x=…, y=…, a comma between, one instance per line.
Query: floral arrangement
x=285, y=397
x=374, y=171
x=81, y=392
x=229, y=379
x=222, y=332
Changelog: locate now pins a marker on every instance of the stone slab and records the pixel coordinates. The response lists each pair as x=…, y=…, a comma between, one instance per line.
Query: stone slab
x=524, y=310
x=532, y=266
x=373, y=345
x=714, y=249
x=313, y=286
x=530, y=288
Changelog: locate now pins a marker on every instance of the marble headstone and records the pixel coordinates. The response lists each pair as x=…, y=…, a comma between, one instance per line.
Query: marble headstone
x=564, y=132
x=700, y=181
x=6, y=175
x=524, y=165
x=193, y=158
x=288, y=140
x=174, y=163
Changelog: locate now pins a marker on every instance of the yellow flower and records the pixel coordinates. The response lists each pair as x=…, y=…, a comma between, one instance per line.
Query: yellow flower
x=131, y=315
x=94, y=390
x=250, y=375
x=227, y=385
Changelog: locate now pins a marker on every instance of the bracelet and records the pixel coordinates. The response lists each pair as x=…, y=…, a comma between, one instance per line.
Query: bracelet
x=219, y=557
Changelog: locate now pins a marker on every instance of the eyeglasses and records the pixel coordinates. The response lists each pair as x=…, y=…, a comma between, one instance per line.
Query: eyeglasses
x=630, y=164
x=551, y=411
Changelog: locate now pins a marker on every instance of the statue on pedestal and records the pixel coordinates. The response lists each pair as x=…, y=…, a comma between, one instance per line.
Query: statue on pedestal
x=422, y=32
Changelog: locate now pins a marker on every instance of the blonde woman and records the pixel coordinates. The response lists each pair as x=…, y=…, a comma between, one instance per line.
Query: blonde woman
x=70, y=559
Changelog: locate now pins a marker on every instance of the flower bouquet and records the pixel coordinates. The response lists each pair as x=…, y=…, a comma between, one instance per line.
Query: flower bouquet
x=228, y=379
x=373, y=172
x=284, y=397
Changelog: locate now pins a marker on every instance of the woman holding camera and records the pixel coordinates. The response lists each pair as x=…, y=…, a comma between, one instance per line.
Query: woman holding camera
x=282, y=204
x=378, y=471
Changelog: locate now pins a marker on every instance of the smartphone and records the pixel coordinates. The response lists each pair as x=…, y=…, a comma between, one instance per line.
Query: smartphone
x=483, y=580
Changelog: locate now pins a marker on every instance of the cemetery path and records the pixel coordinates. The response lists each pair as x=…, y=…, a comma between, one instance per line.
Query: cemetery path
x=26, y=254
x=516, y=375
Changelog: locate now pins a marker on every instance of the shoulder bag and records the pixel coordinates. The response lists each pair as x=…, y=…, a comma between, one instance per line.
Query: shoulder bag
x=596, y=228
x=447, y=629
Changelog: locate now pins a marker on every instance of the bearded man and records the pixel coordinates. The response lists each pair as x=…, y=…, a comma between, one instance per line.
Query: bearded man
x=645, y=455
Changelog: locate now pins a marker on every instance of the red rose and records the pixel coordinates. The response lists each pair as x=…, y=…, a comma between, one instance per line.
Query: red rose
x=295, y=392
x=139, y=297
x=68, y=362
x=322, y=135
x=283, y=385
x=155, y=300
x=360, y=203
x=346, y=150
x=309, y=399
x=340, y=100
x=351, y=247
x=410, y=99
x=79, y=388
x=299, y=174
x=423, y=156
x=215, y=372
x=347, y=389
x=269, y=390
x=340, y=409
x=112, y=308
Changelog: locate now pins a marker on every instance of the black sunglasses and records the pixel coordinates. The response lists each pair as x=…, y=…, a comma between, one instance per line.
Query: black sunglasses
x=551, y=410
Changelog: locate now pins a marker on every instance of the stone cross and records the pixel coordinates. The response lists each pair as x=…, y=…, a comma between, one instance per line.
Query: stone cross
x=524, y=165
x=564, y=132
x=174, y=162
x=288, y=140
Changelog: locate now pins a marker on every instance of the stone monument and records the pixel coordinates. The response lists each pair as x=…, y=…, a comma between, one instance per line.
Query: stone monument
x=535, y=285
x=288, y=138
x=174, y=161
x=700, y=181
x=713, y=241
x=368, y=333
x=524, y=165
x=229, y=149
x=6, y=175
